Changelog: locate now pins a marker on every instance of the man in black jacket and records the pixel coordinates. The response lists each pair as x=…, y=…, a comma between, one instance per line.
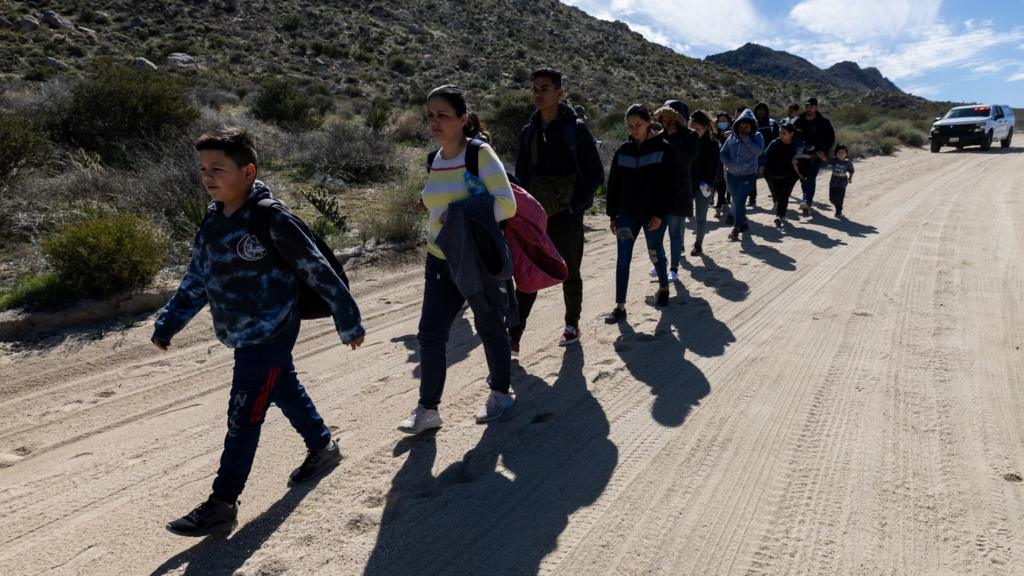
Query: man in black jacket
x=818, y=137
x=558, y=153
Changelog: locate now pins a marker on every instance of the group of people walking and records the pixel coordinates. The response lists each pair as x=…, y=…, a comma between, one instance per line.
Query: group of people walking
x=494, y=240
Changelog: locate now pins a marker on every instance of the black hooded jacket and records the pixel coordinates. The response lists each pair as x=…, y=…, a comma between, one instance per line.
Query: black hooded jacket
x=642, y=178
x=554, y=157
x=817, y=133
x=684, y=144
x=705, y=165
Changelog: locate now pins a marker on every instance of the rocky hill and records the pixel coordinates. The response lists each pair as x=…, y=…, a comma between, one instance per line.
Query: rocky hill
x=763, y=61
x=359, y=50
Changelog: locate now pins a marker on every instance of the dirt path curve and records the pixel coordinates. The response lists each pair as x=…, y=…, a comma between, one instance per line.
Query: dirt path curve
x=845, y=398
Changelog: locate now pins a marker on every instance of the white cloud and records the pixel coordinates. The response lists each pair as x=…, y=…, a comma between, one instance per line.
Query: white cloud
x=672, y=19
x=936, y=47
x=925, y=90
x=865, y=19
x=1016, y=76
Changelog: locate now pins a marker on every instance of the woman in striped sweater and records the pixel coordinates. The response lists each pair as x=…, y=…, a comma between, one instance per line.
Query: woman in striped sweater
x=448, y=182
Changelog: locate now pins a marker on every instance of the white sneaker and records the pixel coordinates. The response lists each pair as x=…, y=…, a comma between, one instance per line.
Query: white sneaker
x=673, y=276
x=653, y=273
x=420, y=420
x=496, y=404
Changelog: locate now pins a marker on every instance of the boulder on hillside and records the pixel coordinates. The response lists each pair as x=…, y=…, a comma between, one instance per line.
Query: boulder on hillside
x=55, y=20
x=51, y=62
x=141, y=63
x=89, y=33
x=181, y=62
x=6, y=23
x=28, y=23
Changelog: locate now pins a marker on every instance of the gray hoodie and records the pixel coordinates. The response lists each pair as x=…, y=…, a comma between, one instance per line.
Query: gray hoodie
x=742, y=156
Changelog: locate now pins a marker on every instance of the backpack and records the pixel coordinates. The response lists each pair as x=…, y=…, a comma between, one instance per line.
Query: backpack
x=555, y=193
x=311, y=304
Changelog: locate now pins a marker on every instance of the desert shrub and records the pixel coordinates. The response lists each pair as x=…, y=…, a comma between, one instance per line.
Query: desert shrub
x=34, y=291
x=23, y=142
x=281, y=102
x=379, y=117
x=116, y=106
x=327, y=205
x=852, y=114
x=887, y=145
x=505, y=120
x=105, y=254
x=409, y=127
x=401, y=65
x=396, y=218
x=347, y=151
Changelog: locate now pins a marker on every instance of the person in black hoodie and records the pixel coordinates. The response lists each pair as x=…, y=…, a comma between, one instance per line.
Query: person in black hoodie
x=818, y=137
x=702, y=175
x=769, y=130
x=640, y=187
x=674, y=117
x=558, y=164
x=781, y=171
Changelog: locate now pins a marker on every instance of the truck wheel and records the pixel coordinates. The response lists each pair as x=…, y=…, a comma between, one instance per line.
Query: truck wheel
x=987, y=144
x=1009, y=138
x=936, y=146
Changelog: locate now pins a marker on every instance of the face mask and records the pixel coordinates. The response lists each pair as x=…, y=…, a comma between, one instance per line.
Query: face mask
x=723, y=125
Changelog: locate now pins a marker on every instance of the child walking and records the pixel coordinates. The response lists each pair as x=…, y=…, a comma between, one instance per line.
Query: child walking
x=842, y=176
x=252, y=287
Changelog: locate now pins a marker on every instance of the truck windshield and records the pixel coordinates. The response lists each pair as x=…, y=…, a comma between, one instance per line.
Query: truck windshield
x=977, y=111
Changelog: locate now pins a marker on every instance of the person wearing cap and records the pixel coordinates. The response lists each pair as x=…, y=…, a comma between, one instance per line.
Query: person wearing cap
x=818, y=137
x=674, y=117
x=741, y=157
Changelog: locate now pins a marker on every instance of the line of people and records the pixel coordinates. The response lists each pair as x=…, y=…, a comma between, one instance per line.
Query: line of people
x=494, y=240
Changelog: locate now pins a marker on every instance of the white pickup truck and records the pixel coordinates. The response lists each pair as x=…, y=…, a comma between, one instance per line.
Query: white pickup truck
x=975, y=124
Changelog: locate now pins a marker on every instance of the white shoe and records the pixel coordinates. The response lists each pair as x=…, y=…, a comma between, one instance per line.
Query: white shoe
x=673, y=276
x=496, y=404
x=420, y=420
x=653, y=273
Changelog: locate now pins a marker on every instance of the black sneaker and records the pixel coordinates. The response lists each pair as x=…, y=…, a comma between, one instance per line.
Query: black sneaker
x=734, y=235
x=316, y=462
x=661, y=300
x=698, y=250
x=209, y=517
x=615, y=316
x=778, y=222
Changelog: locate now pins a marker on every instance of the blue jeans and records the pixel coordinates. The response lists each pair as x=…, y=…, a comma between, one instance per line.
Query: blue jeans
x=675, y=239
x=627, y=228
x=740, y=187
x=700, y=214
x=809, y=184
x=263, y=374
x=442, y=303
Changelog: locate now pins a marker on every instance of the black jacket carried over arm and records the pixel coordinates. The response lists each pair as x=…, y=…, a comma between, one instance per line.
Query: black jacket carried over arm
x=684, y=144
x=554, y=158
x=642, y=179
x=817, y=133
x=705, y=165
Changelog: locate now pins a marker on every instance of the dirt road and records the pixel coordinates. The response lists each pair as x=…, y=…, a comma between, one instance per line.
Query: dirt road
x=843, y=399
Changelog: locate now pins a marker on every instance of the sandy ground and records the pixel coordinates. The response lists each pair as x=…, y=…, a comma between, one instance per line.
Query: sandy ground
x=842, y=399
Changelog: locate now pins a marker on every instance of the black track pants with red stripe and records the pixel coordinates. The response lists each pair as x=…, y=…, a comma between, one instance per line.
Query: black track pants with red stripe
x=263, y=374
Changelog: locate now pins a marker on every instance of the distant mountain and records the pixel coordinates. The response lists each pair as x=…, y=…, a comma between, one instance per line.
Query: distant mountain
x=779, y=65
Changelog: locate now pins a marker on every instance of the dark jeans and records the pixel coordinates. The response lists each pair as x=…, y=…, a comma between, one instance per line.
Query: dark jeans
x=566, y=232
x=781, y=189
x=675, y=232
x=739, y=187
x=836, y=195
x=263, y=374
x=752, y=198
x=722, y=191
x=442, y=303
x=700, y=215
x=809, y=169
x=627, y=228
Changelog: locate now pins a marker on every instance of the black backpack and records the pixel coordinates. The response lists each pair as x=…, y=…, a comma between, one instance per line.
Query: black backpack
x=311, y=305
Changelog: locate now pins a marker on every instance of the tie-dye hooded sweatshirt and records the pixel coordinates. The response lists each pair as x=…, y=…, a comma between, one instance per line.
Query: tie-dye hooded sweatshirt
x=252, y=291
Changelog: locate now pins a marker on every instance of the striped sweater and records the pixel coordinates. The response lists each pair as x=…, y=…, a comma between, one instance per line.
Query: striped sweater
x=446, y=184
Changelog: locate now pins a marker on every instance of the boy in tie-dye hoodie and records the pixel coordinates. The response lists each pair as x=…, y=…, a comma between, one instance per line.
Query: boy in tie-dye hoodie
x=252, y=291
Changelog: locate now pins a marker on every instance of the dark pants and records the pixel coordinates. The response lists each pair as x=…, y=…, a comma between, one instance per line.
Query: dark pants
x=263, y=374
x=627, y=228
x=809, y=169
x=700, y=215
x=781, y=189
x=723, y=194
x=566, y=232
x=836, y=195
x=752, y=198
x=442, y=303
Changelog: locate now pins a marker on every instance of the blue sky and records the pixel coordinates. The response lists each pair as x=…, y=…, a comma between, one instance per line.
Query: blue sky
x=943, y=50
